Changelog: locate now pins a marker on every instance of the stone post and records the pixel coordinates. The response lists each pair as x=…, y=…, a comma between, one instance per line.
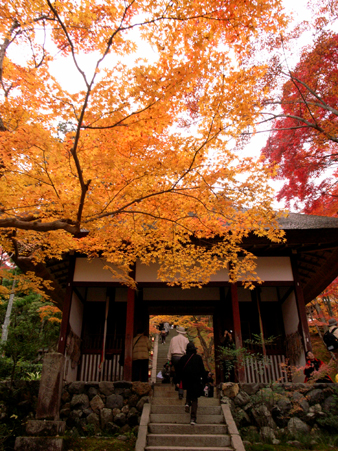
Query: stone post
x=44, y=432
x=49, y=398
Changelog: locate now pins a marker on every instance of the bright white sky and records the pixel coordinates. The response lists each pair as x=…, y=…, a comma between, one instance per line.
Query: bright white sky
x=71, y=80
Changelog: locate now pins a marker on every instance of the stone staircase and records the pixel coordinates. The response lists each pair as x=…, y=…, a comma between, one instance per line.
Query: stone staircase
x=169, y=426
x=163, y=351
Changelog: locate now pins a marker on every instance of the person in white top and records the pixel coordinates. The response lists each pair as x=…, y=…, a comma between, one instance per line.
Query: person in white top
x=177, y=349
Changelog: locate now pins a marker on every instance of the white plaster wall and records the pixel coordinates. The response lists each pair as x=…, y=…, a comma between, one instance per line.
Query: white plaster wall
x=177, y=294
x=76, y=315
x=290, y=314
x=274, y=268
x=268, y=268
x=75, y=322
x=146, y=273
x=291, y=320
x=92, y=271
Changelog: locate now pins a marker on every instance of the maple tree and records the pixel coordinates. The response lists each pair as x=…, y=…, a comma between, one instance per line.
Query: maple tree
x=199, y=329
x=137, y=164
x=303, y=140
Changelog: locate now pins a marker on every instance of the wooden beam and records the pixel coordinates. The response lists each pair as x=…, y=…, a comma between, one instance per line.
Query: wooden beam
x=301, y=305
x=128, y=351
x=237, y=326
x=66, y=307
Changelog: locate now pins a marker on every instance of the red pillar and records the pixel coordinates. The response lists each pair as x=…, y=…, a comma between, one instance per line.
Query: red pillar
x=128, y=353
x=237, y=326
x=66, y=307
x=301, y=305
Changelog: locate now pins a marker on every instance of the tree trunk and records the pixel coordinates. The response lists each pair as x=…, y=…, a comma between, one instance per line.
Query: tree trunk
x=5, y=326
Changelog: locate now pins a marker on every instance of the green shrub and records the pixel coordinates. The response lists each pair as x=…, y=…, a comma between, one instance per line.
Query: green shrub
x=262, y=447
x=329, y=423
x=22, y=369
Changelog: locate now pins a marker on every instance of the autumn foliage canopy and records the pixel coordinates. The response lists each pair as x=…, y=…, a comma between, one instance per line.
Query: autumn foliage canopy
x=304, y=136
x=137, y=162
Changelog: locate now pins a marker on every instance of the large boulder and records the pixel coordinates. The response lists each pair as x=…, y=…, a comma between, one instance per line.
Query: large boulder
x=297, y=427
x=96, y=404
x=92, y=391
x=267, y=434
x=133, y=400
x=242, y=399
x=263, y=416
x=123, y=384
x=230, y=389
x=305, y=405
x=142, y=401
x=94, y=420
x=114, y=401
x=285, y=405
x=79, y=402
x=250, y=389
x=141, y=388
x=76, y=388
x=106, y=417
x=107, y=388
x=315, y=396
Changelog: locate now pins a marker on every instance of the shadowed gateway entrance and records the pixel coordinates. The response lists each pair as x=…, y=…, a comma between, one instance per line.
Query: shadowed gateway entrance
x=250, y=314
x=294, y=272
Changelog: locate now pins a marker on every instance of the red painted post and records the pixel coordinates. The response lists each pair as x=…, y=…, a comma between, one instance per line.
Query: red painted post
x=66, y=307
x=237, y=326
x=128, y=353
x=301, y=305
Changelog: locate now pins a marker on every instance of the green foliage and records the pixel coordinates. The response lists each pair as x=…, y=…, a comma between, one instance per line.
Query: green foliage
x=329, y=423
x=33, y=376
x=238, y=358
x=98, y=444
x=22, y=369
x=18, y=403
x=29, y=337
x=261, y=447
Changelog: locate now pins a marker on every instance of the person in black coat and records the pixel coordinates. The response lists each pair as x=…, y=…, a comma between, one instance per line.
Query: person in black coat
x=192, y=374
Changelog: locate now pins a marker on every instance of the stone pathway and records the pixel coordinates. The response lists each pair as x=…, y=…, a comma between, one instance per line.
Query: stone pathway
x=165, y=426
x=169, y=429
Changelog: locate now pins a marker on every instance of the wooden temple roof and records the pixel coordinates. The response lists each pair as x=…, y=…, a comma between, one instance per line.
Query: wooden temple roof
x=312, y=240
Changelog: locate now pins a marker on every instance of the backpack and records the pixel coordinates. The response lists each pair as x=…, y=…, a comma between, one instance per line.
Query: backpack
x=330, y=340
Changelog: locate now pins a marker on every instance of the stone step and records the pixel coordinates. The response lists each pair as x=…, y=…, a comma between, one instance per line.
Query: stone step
x=185, y=418
x=187, y=448
x=202, y=410
x=188, y=440
x=163, y=387
x=169, y=397
x=168, y=428
x=202, y=401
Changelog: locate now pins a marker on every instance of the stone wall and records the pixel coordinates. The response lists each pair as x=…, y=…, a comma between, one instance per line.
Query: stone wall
x=280, y=410
x=103, y=408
